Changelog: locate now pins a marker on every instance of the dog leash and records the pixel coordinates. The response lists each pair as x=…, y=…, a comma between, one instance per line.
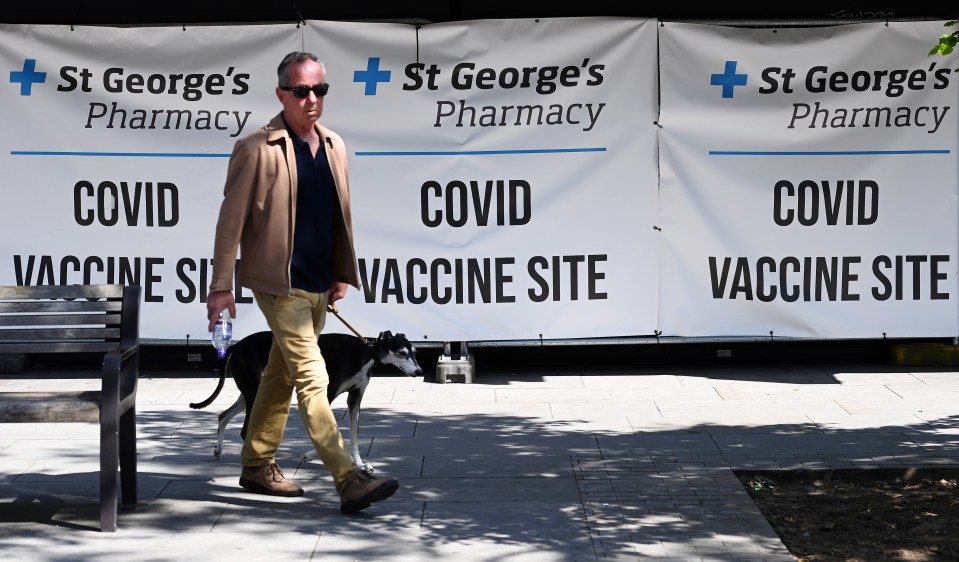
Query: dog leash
x=332, y=308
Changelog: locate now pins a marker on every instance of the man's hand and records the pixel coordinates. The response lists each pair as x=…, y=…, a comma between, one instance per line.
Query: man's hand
x=216, y=302
x=337, y=291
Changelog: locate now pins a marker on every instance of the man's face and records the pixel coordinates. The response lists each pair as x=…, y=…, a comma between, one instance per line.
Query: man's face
x=301, y=113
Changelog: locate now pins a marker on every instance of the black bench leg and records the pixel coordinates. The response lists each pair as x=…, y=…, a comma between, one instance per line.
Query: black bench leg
x=128, y=459
x=109, y=455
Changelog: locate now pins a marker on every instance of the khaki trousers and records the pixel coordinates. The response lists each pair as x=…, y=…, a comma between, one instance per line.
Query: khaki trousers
x=295, y=363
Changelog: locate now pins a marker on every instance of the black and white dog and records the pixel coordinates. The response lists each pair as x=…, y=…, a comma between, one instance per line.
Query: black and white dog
x=349, y=362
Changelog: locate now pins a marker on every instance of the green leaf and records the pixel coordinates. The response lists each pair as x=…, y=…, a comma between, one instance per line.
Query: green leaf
x=946, y=45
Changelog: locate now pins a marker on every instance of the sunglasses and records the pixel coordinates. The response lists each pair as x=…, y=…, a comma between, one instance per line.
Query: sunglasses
x=301, y=92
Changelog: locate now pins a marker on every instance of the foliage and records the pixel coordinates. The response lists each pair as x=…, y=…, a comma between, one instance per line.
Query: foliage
x=947, y=42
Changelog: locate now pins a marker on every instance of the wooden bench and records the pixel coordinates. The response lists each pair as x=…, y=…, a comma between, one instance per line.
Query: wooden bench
x=82, y=319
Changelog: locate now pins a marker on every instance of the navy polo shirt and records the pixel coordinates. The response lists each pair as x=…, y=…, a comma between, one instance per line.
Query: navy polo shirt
x=311, y=268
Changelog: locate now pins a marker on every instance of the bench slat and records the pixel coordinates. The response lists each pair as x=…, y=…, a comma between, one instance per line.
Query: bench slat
x=40, y=407
x=99, y=319
x=47, y=334
x=59, y=347
x=11, y=292
x=24, y=307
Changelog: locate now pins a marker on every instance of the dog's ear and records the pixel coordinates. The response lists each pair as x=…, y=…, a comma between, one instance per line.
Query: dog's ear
x=385, y=335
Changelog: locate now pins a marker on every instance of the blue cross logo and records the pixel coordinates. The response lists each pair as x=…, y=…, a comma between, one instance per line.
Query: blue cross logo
x=728, y=79
x=371, y=76
x=27, y=77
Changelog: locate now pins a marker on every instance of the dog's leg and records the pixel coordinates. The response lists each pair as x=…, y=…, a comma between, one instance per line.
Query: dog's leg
x=353, y=400
x=223, y=419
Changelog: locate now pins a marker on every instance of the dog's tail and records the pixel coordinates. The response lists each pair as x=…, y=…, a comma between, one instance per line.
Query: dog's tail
x=216, y=392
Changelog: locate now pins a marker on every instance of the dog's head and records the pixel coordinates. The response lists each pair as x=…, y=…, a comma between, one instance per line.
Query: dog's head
x=395, y=349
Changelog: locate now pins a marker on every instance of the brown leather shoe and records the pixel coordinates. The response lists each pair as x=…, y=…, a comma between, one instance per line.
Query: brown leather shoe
x=361, y=489
x=268, y=479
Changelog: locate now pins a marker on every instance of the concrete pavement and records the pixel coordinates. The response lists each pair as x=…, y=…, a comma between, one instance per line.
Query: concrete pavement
x=536, y=466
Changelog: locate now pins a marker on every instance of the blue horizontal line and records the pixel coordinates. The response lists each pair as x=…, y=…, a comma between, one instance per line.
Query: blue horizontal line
x=122, y=154
x=477, y=152
x=819, y=152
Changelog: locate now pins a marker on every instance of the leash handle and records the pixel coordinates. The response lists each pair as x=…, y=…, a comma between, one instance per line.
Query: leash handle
x=331, y=307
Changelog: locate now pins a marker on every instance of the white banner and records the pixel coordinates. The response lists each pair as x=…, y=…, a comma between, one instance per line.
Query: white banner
x=114, y=155
x=503, y=172
x=808, y=182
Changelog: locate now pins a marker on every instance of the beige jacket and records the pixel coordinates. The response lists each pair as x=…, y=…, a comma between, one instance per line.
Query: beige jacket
x=258, y=210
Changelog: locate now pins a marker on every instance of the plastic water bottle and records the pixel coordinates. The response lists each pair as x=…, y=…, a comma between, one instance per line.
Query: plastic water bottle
x=222, y=333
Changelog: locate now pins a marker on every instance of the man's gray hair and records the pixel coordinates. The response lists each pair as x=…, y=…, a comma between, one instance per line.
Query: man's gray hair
x=283, y=71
